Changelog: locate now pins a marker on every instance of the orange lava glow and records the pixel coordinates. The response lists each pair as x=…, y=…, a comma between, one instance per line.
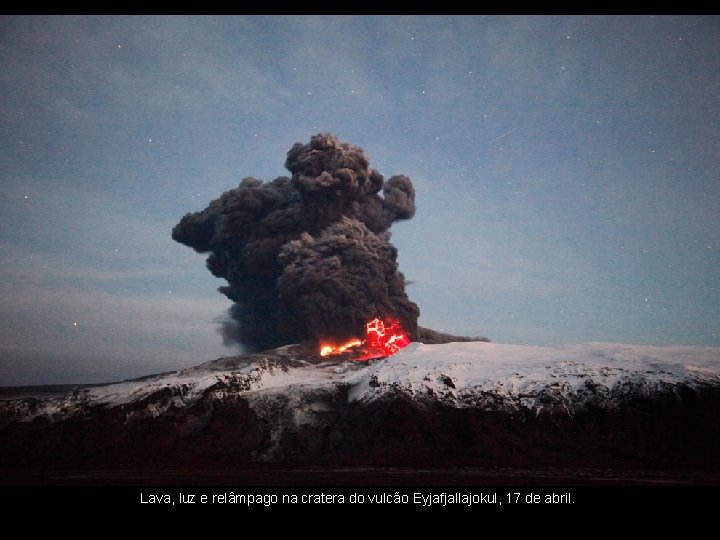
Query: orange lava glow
x=326, y=349
x=382, y=338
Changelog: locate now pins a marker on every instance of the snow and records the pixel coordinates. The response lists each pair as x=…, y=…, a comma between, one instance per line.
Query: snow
x=513, y=371
x=490, y=364
x=458, y=374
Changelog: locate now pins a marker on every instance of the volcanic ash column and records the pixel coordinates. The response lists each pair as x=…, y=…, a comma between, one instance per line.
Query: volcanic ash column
x=309, y=257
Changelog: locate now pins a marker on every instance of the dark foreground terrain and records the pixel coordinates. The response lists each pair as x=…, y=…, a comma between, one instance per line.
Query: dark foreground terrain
x=657, y=440
x=275, y=419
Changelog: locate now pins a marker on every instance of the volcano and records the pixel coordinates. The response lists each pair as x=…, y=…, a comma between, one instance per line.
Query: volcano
x=382, y=338
x=309, y=256
x=583, y=413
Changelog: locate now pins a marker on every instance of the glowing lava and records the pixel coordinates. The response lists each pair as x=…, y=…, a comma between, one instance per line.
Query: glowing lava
x=327, y=350
x=382, y=338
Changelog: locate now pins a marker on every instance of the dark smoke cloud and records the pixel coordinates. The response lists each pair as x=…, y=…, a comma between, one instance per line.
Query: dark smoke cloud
x=309, y=256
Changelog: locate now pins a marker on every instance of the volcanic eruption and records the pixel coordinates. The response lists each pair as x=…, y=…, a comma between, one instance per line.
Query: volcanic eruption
x=308, y=257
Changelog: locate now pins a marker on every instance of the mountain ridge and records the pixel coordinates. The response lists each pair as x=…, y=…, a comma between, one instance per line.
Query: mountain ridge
x=471, y=404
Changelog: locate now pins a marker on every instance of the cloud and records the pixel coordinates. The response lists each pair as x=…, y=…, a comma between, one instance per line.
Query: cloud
x=82, y=274
x=308, y=257
x=143, y=333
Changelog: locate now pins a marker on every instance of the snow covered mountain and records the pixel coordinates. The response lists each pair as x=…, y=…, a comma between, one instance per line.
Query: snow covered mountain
x=466, y=404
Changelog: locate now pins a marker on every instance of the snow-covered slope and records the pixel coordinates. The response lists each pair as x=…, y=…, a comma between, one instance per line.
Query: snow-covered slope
x=492, y=376
x=460, y=404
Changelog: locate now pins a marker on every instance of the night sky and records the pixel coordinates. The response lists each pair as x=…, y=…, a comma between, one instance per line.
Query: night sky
x=567, y=172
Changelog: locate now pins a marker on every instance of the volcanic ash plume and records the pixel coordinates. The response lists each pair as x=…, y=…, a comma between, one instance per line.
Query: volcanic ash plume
x=307, y=257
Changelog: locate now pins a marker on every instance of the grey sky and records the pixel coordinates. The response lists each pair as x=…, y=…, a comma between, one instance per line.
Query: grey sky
x=567, y=172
